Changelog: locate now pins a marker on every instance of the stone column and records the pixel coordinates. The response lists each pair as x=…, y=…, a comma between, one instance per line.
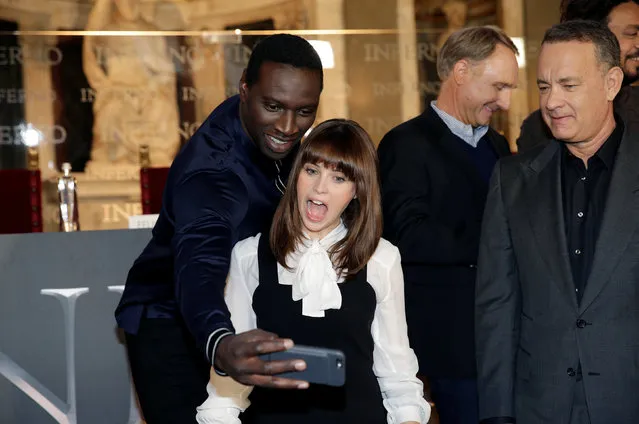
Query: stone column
x=38, y=54
x=206, y=58
x=513, y=25
x=409, y=75
x=539, y=16
x=374, y=70
x=329, y=14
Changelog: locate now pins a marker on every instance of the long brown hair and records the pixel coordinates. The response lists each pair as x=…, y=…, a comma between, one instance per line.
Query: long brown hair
x=346, y=147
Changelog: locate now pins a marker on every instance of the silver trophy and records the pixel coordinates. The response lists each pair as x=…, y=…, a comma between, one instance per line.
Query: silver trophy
x=68, y=200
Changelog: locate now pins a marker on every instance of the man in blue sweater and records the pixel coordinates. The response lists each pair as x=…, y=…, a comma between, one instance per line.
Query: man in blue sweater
x=223, y=186
x=435, y=170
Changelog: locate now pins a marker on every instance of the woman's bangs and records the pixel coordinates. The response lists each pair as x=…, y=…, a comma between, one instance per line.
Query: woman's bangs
x=336, y=156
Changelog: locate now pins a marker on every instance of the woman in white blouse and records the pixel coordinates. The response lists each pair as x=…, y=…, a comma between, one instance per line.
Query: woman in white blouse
x=324, y=277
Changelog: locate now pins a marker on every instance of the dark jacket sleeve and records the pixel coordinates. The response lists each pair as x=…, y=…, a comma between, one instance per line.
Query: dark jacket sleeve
x=533, y=132
x=207, y=206
x=627, y=104
x=497, y=310
x=408, y=206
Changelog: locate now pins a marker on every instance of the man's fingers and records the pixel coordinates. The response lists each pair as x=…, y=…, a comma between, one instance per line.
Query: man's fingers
x=241, y=359
x=275, y=345
x=256, y=336
x=274, y=382
x=268, y=368
x=261, y=347
x=278, y=367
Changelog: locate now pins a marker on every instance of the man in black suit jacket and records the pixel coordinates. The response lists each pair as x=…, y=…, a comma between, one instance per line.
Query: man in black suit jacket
x=435, y=170
x=622, y=18
x=557, y=300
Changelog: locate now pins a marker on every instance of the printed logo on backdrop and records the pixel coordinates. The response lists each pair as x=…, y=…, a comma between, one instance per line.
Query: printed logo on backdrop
x=62, y=411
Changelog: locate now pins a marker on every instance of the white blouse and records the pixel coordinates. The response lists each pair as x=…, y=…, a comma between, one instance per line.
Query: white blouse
x=315, y=282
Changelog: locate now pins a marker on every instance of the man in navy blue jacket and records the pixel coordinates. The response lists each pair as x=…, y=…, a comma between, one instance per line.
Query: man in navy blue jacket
x=435, y=170
x=222, y=187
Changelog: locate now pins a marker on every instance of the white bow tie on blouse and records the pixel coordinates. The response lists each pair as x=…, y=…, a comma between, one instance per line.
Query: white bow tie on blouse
x=312, y=275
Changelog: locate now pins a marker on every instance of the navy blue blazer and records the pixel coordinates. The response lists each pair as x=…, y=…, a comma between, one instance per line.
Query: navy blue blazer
x=433, y=196
x=220, y=189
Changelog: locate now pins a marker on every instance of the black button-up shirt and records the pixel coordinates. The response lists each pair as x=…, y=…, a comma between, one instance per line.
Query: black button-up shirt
x=584, y=193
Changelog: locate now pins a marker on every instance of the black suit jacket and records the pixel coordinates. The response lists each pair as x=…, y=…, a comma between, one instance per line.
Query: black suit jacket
x=532, y=333
x=433, y=201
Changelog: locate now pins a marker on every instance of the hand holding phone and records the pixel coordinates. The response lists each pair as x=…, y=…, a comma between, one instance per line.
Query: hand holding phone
x=323, y=366
x=239, y=356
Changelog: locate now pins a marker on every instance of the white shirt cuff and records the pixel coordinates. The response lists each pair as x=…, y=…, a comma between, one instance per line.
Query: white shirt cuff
x=223, y=416
x=409, y=413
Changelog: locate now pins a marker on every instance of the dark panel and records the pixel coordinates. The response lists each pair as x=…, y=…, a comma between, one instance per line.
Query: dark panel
x=70, y=112
x=12, y=155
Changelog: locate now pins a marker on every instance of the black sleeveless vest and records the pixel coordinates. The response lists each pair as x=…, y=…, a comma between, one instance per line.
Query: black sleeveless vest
x=347, y=329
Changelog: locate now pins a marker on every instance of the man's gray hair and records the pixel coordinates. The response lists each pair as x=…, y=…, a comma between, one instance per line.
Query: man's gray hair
x=606, y=44
x=474, y=44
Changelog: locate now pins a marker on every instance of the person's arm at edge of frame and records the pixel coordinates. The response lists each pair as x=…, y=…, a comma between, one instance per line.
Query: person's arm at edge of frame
x=394, y=362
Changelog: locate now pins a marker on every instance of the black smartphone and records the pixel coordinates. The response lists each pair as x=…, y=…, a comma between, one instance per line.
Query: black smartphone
x=323, y=366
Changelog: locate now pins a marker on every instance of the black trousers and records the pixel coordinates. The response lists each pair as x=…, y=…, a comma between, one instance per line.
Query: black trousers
x=455, y=400
x=170, y=374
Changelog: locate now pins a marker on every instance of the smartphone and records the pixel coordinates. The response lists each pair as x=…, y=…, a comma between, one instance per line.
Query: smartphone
x=323, y=366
